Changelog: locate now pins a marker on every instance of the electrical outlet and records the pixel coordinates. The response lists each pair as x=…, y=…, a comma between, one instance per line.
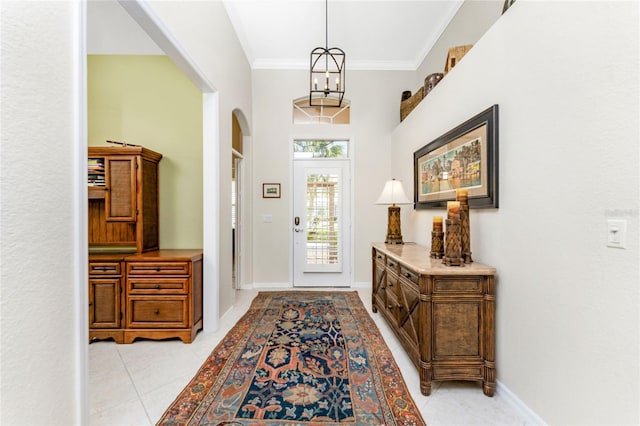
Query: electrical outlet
x=616, y=233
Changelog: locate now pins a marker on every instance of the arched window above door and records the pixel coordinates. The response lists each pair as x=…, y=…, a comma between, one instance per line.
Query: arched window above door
x=324, y=114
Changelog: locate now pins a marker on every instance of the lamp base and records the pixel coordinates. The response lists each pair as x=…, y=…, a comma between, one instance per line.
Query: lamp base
x=394, y=241
x=394, y=235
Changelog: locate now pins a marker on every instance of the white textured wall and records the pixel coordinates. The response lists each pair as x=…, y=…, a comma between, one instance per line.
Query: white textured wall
x=203, y=30
x=112, y=31
x=43, y=258
x=565, y=75
x=470, y=23
x=375, y=100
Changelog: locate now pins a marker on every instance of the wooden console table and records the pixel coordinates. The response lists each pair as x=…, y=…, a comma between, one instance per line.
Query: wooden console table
x=444, y=316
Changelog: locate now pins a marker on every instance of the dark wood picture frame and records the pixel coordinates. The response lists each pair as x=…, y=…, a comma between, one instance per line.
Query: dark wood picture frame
x=466, y=157
x=270, y=190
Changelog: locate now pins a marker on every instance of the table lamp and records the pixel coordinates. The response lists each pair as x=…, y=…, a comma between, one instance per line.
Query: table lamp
x=393, y=195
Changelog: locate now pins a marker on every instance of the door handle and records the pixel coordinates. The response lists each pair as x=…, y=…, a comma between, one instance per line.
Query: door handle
x=298, y=229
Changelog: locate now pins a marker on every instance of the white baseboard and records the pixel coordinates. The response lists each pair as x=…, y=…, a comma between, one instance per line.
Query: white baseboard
x=271, y=285
x=252, y=286
x=512, y=399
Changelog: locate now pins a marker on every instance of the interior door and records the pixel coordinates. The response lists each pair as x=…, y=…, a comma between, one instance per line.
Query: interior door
x=321, y=223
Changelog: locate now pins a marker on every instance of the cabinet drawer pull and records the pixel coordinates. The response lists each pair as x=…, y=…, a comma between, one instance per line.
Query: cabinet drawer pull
x=392, y=265
x=390, y=306
x=408, y=275
x=157, y=286
x=157, y=311
x=157, y=269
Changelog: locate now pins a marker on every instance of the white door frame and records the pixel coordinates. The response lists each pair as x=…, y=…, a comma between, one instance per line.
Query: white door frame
x=351, y=230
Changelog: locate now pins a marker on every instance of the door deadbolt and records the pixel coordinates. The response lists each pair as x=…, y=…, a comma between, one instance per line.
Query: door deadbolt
x=296, y=221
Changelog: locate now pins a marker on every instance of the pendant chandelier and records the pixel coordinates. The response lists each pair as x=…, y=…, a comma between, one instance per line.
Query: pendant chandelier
x=326, y=77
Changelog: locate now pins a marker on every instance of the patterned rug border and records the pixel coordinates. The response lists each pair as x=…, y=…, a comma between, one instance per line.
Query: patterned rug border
x=402, y=406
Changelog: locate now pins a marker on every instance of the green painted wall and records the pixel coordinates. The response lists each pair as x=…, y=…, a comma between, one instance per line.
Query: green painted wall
x=148, y=101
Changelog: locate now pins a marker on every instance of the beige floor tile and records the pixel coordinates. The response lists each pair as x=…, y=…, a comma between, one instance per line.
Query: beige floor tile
x=134, y=384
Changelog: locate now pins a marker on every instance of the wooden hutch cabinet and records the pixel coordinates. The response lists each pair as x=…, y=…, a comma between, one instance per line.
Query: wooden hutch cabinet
x=442, y=315
x=123, y=198
x=136, y=289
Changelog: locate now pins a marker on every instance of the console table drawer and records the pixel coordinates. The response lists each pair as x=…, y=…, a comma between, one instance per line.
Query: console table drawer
x=381, y=258
x=409, y=275
x=442, y=285
x=165, y=312
x=156, y=286
x=160, y=268
x=392, y=264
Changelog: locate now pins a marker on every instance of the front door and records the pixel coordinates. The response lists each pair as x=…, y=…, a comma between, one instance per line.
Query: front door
x=321, y=225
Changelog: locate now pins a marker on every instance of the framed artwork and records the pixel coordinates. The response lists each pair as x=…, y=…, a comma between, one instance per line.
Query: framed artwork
x=463, y=158
x=270, y=190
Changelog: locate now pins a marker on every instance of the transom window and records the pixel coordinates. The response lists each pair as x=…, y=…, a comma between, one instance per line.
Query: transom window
x=320, y=148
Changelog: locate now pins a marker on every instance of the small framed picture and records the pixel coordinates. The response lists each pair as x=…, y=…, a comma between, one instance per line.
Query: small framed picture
x=270, y=190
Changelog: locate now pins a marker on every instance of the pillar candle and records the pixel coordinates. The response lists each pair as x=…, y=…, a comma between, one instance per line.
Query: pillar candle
x=462, y=194
x=453, y=209
x=437, y=223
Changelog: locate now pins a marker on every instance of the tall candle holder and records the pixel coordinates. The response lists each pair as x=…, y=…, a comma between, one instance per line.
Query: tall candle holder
x=437, y=244
x=465, y=232
x=437, y=239
x=453, y=244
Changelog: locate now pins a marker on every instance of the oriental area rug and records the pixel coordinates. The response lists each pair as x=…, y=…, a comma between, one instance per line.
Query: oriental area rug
x=298, y=358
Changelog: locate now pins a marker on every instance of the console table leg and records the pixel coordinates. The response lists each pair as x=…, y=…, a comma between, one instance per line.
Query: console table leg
x=425, y=379
x=489, y=382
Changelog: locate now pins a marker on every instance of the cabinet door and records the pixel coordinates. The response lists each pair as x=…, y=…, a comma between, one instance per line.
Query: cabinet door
x=120, y=198
x=457, y=321
x=408, y=310
x=379, y=282
x=104, y=302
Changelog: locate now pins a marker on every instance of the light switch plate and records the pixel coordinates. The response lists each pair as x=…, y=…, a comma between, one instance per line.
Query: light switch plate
x=616, y=233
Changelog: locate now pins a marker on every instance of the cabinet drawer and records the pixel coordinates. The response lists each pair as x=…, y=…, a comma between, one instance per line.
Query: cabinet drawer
x=443, y=285
x=157, y=268
x=104, y=268
x=157, y=286
x=409, y=275
x=161, y=312
x=392, y=281
x=380, y=258
x=392, y=264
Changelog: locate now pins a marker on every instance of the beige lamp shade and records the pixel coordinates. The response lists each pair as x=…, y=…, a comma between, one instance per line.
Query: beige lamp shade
x=393, y=194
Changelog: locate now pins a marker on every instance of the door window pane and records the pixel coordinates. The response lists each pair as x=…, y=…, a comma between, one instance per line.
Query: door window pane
x=322, y=216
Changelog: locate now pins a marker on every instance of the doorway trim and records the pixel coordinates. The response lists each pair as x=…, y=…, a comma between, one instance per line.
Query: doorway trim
x=325, y=135
x=144, y=15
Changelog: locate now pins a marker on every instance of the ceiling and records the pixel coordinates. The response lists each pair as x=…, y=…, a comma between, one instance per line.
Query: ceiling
x=375, y=34
x=280, y=34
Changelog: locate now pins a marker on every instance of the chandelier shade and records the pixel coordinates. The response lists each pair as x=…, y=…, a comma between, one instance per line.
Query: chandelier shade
x=327, y=72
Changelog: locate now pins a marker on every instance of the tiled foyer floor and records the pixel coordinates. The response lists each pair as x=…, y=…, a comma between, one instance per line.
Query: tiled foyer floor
x=133, y=384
